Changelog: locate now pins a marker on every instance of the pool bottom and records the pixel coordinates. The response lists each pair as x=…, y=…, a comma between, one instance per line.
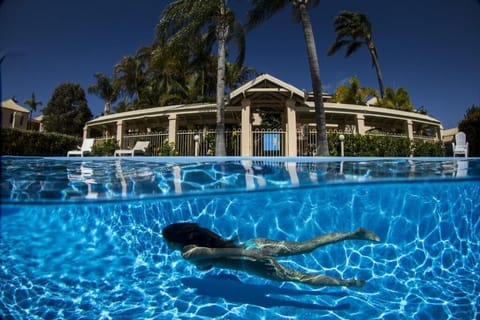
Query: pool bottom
x=109, y=261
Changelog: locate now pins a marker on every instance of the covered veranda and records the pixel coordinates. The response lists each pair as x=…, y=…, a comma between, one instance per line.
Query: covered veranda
x=265, y=116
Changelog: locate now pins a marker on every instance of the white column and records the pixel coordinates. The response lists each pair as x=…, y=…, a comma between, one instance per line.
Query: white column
x=410, y=129
x=291, y=128
x=119, y=132
x=172, y=129
x=246, y=136
x=86, y=132
x=360, y=123
x=438, y=133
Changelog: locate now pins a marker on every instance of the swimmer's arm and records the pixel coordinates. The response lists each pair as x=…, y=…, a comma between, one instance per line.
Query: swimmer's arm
x=193, y=252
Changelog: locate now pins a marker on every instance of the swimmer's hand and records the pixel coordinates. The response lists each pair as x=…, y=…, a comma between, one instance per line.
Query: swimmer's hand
x=192, y=252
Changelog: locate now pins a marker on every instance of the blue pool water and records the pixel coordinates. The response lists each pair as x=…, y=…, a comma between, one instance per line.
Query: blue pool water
x=81, y=238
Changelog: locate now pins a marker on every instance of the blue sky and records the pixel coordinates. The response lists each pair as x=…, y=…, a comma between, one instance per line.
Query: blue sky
x=429, y=47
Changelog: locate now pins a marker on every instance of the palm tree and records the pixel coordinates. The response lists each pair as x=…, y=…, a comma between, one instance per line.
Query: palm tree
x=354, y=93
x=353, y=30
x=183, y=19
x=166, y=71
x=105, y=90
x=129, y=77
x=396, y=99
x=264, y=9
x=237, y=75
x=33, y=104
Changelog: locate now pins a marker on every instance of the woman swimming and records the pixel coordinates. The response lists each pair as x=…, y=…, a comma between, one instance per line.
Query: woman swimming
x=207, y=249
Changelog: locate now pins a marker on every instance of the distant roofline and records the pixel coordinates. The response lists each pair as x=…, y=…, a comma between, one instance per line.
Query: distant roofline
x=12, y=105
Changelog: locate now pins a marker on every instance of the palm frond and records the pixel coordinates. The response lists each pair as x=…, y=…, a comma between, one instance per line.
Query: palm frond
x=337, y=46
x=263, y=10
x=352, y=47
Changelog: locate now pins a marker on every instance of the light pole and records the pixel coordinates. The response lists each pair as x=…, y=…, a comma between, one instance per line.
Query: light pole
x=196, y=138
x=341, y=137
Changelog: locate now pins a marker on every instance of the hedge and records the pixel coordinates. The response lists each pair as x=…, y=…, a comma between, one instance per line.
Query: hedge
x=356, y=145
x=17, y=142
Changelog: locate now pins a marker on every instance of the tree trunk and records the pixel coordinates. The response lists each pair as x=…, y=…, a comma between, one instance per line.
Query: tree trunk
x=106, y=109
x=373, y=53
x=322, y=142
x=222, y=31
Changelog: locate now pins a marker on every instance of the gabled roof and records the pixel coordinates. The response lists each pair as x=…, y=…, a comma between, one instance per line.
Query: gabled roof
x=12, y=105
x=266, y=86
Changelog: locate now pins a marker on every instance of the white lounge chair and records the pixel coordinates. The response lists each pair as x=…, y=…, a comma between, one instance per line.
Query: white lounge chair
x=140, y=146
x=86, y=147
x=460, y=146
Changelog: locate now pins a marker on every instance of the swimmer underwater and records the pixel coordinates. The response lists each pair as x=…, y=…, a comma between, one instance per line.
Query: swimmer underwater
x=207, y=249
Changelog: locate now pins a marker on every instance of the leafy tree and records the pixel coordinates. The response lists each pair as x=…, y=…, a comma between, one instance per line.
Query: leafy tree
x=67, y=110
x=32, y=103
x=354, y=30
x=130, y=77
x=120, y=107
x=166, y=71
x=396, y=99
x=183, y=19
x=354, y=93
x=471, y=126
x=105, y=90
x=265, y=9
x=237, y=75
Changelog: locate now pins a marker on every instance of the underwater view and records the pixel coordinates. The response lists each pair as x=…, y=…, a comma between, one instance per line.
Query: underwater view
x=81, y=238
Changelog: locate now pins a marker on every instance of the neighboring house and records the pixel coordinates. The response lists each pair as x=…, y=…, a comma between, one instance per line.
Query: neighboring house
x=249, y=112
x=36, y=124
x=14, y=115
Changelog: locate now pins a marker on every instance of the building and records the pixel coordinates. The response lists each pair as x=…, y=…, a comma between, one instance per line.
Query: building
x=265, y=116
x=14, y=115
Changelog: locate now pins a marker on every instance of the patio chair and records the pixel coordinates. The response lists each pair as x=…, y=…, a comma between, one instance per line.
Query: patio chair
x=460, y=146
x=140, y=146
x=86, y=147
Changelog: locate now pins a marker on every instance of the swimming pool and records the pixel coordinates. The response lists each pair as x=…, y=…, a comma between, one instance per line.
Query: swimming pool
x=81, y=238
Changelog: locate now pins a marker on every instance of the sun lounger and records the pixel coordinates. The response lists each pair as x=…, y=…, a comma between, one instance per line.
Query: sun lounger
x=86, y=147
x=140, y=147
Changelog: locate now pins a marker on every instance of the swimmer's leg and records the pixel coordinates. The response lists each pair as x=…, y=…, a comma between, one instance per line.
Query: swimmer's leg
x=287, y=248
x=269, y=268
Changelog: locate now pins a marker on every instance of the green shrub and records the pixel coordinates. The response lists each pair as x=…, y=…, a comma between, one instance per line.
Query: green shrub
x=17, y=142
x=428, y=149
x=167, y=149
x=356, y=145
x=105, y=147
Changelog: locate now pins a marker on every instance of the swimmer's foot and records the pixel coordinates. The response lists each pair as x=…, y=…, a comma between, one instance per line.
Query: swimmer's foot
x=355, y=283
x=364, y=234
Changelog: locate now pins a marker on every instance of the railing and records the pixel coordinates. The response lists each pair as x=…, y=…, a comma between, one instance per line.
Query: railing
x=268, y=143
x=202, y=142
x=306, y=142
x=157, y=141
x=188, y=143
